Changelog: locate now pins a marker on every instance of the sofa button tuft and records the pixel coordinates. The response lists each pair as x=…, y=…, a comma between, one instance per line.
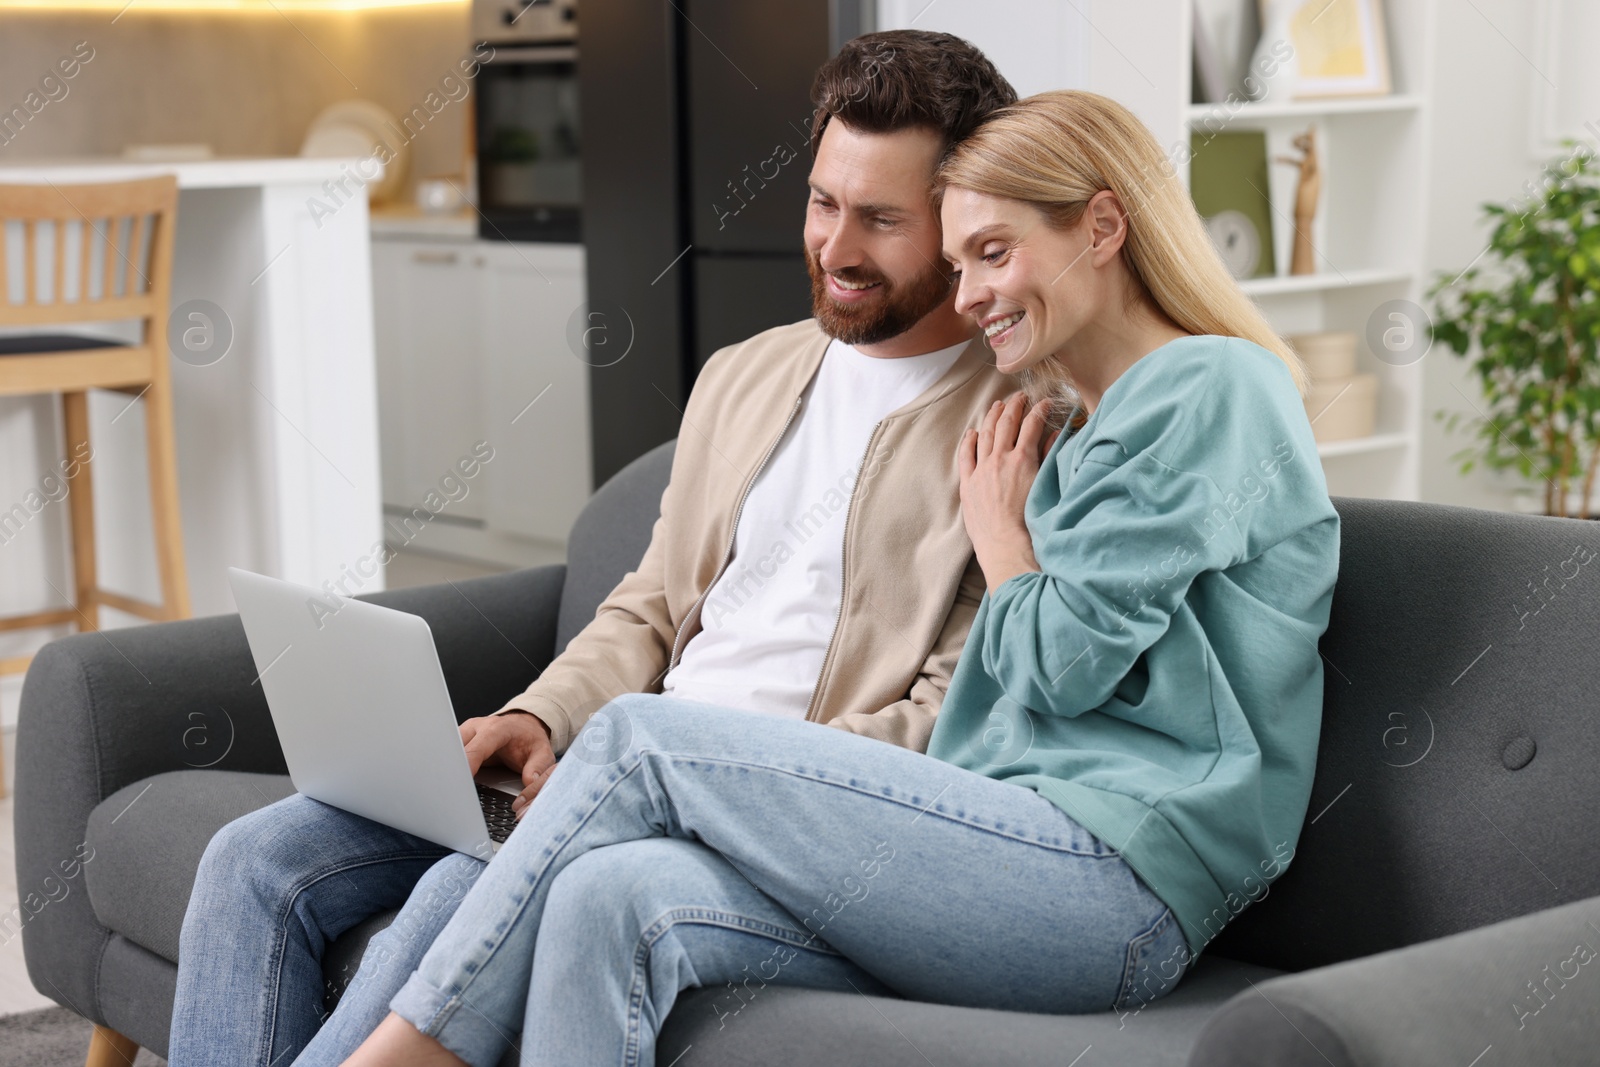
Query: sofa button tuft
x=1518, y=753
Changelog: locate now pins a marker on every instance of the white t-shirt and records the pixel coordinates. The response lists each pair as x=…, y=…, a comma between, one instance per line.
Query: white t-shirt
x=766, y=623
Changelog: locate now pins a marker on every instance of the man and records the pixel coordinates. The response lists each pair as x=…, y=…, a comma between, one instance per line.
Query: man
x=809, y=560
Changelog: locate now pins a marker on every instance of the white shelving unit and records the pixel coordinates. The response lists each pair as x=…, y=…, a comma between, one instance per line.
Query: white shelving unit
x=1287, y=284
x=1369, y=230
x=1302, y=109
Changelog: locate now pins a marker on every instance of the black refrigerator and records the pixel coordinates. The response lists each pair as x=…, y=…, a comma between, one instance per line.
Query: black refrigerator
x=695, y=157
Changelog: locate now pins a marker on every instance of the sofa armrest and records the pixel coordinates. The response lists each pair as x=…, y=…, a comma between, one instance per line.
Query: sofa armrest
x=102, y=710
x=1529, y=987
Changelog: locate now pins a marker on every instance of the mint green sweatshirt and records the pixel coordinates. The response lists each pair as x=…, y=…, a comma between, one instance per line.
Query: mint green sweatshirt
x=1159, y=681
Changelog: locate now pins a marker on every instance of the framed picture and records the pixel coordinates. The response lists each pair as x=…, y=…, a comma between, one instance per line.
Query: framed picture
x=1341, y=46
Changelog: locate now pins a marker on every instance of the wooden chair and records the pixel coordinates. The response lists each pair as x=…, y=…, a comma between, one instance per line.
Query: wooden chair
x=130, y=225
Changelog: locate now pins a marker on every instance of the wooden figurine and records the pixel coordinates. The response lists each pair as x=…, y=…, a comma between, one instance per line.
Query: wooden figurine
x=1303, y=258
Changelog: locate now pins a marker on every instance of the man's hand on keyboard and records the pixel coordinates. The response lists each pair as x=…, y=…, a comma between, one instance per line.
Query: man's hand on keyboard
x=517, y=740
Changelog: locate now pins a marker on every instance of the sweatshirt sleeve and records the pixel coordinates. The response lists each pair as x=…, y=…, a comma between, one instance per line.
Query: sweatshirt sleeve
x=1118, y=554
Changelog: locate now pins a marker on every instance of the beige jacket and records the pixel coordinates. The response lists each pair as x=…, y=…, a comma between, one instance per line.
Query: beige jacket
x=911, y=584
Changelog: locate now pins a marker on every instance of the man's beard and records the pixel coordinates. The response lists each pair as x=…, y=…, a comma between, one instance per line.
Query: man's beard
x=897, y=308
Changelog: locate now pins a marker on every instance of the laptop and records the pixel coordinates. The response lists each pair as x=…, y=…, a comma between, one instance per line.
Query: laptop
x=359, y=701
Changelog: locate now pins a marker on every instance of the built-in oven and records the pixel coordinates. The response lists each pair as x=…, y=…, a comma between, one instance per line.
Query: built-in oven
x=526, y=120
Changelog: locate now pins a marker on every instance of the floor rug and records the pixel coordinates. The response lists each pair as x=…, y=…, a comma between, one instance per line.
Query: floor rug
x=52, y=1037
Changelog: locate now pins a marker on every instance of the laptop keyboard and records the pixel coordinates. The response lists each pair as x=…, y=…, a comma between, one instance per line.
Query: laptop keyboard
x=497, y=813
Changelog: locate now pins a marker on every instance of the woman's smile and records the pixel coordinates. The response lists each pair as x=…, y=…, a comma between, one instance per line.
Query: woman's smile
x=999, y=330
x=1010, y=336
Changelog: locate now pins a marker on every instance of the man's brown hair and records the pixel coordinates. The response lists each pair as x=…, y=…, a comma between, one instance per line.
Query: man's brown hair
x=898, y=79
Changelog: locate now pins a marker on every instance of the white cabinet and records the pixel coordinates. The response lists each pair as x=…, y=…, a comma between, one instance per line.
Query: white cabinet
x=1050, y=52
x=430, y=368
x=537, y=398
x=472, y=347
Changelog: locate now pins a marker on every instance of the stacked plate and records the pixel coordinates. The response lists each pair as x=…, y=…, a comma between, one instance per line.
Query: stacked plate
x=361, y=130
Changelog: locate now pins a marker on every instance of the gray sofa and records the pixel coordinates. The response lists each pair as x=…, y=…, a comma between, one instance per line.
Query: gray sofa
x=1441, y=907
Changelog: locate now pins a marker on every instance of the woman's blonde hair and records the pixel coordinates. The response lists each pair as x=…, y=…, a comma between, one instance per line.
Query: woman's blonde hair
x=1054, y=151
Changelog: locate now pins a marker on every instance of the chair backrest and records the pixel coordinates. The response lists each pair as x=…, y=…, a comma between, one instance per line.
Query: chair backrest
x=105, y=249
x=610, y=537
x=1456, y=781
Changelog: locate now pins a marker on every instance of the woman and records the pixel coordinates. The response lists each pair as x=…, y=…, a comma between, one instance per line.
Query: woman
x=1144, y=667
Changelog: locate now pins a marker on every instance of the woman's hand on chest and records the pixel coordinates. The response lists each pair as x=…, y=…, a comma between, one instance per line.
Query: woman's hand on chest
x=999, y=462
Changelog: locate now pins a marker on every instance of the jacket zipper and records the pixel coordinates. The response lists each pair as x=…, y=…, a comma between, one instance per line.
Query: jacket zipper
x=732, y=536
x=844, y=543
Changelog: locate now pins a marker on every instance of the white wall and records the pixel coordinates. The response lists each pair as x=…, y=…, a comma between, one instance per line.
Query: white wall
x=1051, y=53
x=1484, y=72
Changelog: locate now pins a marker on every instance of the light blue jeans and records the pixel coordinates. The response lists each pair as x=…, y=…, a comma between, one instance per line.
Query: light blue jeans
x=678, y=844
x=274, y=889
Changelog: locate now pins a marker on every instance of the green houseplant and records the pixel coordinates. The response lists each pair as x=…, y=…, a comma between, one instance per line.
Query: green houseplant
x=1528, y=310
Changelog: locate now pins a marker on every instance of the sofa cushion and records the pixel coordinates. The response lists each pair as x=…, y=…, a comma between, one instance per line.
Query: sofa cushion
x=784, y=1026
x=148, y=839
x=806, y=1026
x=343, y=960
x=343, y=957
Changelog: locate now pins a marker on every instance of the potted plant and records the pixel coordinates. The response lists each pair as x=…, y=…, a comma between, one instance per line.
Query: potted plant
x=1529, y=308
x=513, y=157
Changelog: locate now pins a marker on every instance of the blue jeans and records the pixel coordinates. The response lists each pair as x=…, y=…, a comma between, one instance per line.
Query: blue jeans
x=273, y=890
x=678, y=844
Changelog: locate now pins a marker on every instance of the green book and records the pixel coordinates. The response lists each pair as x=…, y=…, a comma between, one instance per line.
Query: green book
x=1228, y=181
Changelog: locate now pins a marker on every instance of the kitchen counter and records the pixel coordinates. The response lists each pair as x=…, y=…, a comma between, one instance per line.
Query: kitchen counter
x=407, y=222
x=278, y=433
x=216, y=173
